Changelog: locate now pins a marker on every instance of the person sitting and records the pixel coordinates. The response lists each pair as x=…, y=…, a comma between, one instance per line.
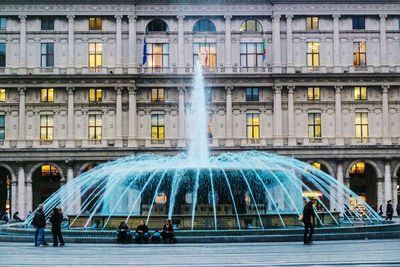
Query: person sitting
x=168, y=231
x=123, y=233
x=16, y=217
x=142, y=232
x=156, y=237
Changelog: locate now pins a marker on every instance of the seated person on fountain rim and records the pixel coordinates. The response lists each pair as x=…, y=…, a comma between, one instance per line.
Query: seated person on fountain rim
x=142, y=232
x=156, y=237
x=123, y=233
x=168, y=231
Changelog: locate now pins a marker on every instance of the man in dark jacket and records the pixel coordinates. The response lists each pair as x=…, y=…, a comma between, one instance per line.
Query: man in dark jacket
x=168, y=232
x=39, y=222
x=56, y=220
x=142, y=232
x=309, y=221
x=389, y=210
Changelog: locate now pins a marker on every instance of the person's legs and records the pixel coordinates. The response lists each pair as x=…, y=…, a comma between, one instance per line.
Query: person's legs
x=60, y=237
x=311, y=233
x=305, y=233
x=54, y=232
x=164, y=236
x=146, y=237
x=138, y=237
x=36, y=236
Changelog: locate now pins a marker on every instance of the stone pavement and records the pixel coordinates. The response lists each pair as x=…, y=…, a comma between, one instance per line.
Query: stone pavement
x=324, y=253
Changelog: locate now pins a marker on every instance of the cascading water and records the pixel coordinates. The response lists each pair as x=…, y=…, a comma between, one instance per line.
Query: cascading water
x=232, y=190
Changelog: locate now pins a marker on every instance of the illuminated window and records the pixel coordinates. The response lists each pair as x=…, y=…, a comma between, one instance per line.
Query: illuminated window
x=206, y=53
x=362, y=126
x=313, y=93
x=360, y=93
x=161, y=198
x=2, y=127
x=251, y=54
x=157, y=26
x=204, y=25
x=3, y=24
x=251, y=25
x=313, y=54
x=157, y=56
x=95, y=126
x=95, y=24
x=46, y=128
x=314, y=125
x=360, y=54
x=253, y=125
x=358, y=168
x=316, y=165
x=252, y=94
x=2, y=55
x=157, y=94
x=47, y=55
x=48, y=170
x=95, y=95
x=157, y=128
x=47, y=95
x=47, y=24
x=95, y=56
x=2, y=95
x=312, y=23
x=358, y=23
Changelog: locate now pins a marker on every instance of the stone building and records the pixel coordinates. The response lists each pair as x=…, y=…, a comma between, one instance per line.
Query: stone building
x=307, y=79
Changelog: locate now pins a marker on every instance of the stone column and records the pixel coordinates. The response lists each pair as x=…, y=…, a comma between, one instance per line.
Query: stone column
x=71, y=125
x=228, y=42
x=336, y=44
x=340, y=191
x=181, y=120
x=118, y=117
x=21, y=118
x=132, y=131
x=22, y=45
x=71, y=45
x=69, y=195
x=29, y=197
x=14, y=195
x=181, y=44
x=395, y=196
x=387, y=183
x=21, y=190
x=383, y=46
x=278, y=140
x=118, y=44
x=132, y=43
x=379, y=192
x=276, y=44
x=228, y=118
x=291, y=126
x=289, y=44
x=385, y=115
x=338, y=116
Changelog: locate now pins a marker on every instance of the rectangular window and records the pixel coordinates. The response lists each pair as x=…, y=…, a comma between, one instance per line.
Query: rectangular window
x=358, y=23
x=252, y=94
x=95, y=24
x=95, y=56
x=362, y=126
x=209, y=126
x=47, y=24
x=2, y=127
x=47, y=95
x=253, y=125
x=95, y=95
x=47, y=55
x=312, y=23
x=313, y=93
x=206, y=53
x=46, y=127
x=157, y=128
x=95, y=127
x=157, y=95
x=251, y=54
x=3, y=24
x=360, y=93
x=2, y=95
x=2, y=55
x=360, y=54
x=157, y=56
x=314, y=125
x=313, y=54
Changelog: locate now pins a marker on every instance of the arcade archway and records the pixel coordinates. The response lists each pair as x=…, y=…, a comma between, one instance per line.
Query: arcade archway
x=5, y=190
x=363, y=182
x=45, y=181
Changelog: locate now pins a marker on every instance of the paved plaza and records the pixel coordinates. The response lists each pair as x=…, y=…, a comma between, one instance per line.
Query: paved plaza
x=328, y=253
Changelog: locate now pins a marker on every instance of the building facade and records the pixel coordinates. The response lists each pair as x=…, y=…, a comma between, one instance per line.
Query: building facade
x=84, y=82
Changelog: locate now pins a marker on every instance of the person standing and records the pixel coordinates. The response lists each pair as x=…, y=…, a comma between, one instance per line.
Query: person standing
x=398, y=209
x=39, y=223
x=380, y=211
x=389, y=210
x=56, y=220
x=308, y=221
x=168, y=231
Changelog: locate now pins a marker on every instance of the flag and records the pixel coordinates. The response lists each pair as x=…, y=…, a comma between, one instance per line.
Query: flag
x=144, y=50
x=264, y=49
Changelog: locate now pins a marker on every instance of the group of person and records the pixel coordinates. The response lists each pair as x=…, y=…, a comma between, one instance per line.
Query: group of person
x=142, y=233
x=39, y=223
x=389, y=210
x=6, y=217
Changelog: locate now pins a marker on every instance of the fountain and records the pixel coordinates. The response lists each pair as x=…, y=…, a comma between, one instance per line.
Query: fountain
x=246, y=190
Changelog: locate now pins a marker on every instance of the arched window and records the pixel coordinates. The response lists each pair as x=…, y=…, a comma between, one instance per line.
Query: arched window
x=204, y=25
x=251, y=25
x=157, y=26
